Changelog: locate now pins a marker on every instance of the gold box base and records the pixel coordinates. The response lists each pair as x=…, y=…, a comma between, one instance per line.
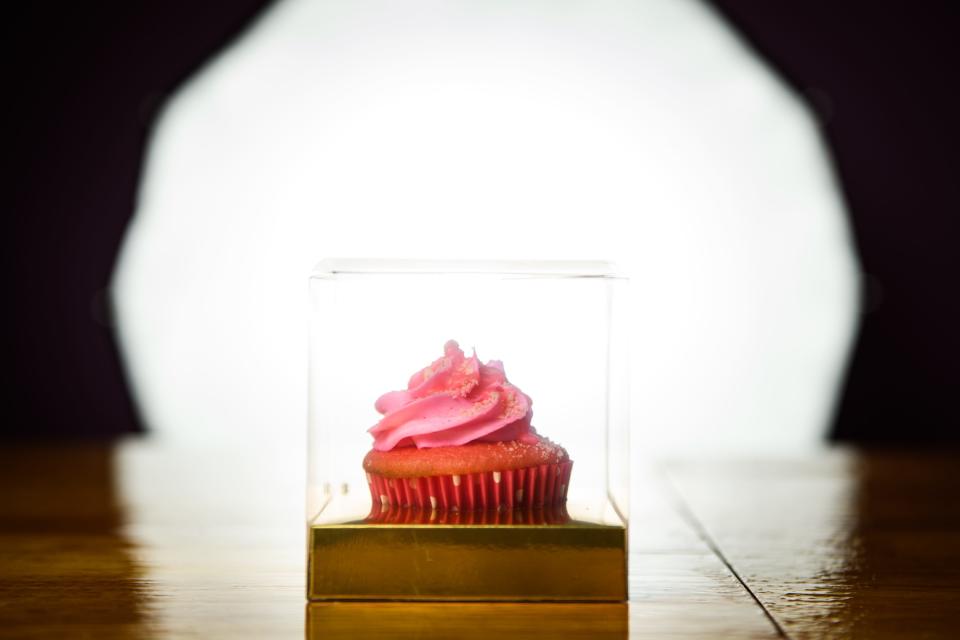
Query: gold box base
x=421, y=557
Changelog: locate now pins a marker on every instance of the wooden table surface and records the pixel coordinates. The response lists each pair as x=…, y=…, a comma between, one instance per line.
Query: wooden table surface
x=140, y=539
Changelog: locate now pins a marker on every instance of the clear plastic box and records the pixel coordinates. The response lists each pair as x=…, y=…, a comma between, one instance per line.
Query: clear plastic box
x=557, y=328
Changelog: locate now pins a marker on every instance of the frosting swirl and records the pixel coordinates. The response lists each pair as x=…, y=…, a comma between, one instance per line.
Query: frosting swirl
x=453, y=401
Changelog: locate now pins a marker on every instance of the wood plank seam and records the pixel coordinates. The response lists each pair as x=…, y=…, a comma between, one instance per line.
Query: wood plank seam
x=690, y=518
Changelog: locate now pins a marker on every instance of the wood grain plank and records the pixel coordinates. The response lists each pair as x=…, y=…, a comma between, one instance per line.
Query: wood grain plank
x=145, y=540
x=678, y=586
x=842, y=543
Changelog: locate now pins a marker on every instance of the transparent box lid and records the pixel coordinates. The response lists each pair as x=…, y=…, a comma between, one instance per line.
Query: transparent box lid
x=555, y=326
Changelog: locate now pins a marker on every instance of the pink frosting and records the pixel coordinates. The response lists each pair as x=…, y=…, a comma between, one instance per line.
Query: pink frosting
x=454, y=401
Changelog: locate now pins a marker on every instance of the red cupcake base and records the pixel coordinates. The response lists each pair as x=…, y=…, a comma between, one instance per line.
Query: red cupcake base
x=538, y=486
x=546, y=515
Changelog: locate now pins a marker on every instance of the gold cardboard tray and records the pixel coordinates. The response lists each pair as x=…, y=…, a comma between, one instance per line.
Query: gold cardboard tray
x=523, y=554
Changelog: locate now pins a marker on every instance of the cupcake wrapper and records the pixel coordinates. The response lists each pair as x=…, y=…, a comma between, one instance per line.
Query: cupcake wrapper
x=545, y=484
x=529, y=515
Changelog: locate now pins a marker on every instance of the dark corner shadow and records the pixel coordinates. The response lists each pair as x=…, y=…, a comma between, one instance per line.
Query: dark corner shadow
x=467, y=620
x=88, y=82
x=875, y=77
x=66, y=564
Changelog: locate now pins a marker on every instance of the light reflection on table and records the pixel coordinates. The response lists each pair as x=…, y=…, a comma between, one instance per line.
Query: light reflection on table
x=142, y=539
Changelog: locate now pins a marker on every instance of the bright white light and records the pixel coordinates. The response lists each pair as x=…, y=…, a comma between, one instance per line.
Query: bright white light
x=640, y=132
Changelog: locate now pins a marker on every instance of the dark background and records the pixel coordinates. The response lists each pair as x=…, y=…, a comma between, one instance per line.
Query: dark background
x=87, y=78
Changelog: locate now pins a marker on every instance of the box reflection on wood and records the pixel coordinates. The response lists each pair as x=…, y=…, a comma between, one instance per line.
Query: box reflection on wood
x=466, y=620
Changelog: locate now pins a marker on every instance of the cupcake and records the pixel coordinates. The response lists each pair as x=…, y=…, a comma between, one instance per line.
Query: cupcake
x=459, y=438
